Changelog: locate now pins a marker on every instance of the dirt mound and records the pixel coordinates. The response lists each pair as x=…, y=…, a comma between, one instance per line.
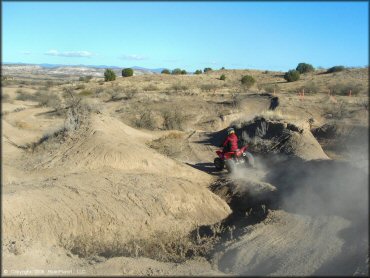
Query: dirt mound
x=279, y=136
x=105, y=192
x=107, y=142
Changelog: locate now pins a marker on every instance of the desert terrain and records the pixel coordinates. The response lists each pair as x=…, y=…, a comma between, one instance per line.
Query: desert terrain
x=117, y=178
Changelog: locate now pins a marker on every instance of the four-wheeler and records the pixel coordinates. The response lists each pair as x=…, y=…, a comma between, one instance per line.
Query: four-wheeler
x=231, y=160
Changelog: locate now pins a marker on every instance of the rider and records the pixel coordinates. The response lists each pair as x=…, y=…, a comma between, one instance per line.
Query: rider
x=231, y=142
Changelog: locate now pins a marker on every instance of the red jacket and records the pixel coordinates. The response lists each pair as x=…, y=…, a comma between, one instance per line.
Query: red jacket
x=232, y=141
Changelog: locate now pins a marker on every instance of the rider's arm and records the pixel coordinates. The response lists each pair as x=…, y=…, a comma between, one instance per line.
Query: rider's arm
x=226, y=141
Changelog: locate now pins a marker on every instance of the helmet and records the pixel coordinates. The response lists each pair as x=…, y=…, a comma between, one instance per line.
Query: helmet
x=230, y=130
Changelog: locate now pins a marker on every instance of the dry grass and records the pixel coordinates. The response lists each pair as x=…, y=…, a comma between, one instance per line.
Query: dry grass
x=165, y=246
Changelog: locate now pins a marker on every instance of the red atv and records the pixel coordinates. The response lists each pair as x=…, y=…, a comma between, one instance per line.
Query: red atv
x=233, y=159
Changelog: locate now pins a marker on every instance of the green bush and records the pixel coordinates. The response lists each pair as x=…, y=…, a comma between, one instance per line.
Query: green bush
x=184, y=72
x=109, y=75
x=198, y=72
x=335, y=69
x=165, y=71
x=248, y=81
x=303, y=68
x=292, y=75
x=127, y=72
x=207, y=70
x=223, y=77
x=176, y=71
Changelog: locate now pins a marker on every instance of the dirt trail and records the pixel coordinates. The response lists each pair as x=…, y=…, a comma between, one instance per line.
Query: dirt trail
x=284, y=244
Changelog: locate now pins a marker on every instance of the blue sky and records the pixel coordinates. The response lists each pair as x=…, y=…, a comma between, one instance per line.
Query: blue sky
x=189, y=35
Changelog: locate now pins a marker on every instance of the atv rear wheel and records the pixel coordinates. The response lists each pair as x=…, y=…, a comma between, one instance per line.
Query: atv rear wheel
x=219, y=164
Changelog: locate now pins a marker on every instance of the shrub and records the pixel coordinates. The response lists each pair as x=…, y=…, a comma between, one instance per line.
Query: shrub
x=85, y=93
x=127, y=72
x=130, y=93
x=166, y=71
x=335, y=69
x=310, y=87
x=150, y=87
x=303, y=68
x=208, y=87
x=80, y=87
x=223, y=77
x=248, y=81
x=270, y=88
x=49, y=84
x=45, y=98
x=179, y=87
x=184, y=72
x=173, y=119
x=22, y=95
x=344, y=88
x=292, y=75
x=176, y=71
x=4, y=97
x=109, y=75
x=85, y=78
x=198, y=72
x=207, y=70
x=145, y=120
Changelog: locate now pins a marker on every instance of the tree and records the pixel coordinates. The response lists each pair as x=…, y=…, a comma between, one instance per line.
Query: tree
x=223, y=77
x=222, y=68
x=207, y=70
x=184, y=72
x=198, y=72
x=303, y=68
x=292, y=75
x=176, y=71
x=248, y=81
x=127, y=72
x=109, y=75
x=166, y=71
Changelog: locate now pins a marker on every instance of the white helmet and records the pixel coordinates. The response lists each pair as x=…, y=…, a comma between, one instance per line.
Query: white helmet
x=230, y=130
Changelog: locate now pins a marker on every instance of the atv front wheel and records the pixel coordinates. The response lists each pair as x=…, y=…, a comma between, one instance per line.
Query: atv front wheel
x=249, y=160
x=219, y=164
x=230, y=165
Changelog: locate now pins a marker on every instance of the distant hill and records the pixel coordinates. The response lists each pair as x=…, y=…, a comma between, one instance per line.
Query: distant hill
x=46, y=65
x=68, y=70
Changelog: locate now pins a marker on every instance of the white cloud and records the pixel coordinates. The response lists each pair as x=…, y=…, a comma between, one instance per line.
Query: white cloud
x=133, y=57
x=54, y=52
x=26, y=52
